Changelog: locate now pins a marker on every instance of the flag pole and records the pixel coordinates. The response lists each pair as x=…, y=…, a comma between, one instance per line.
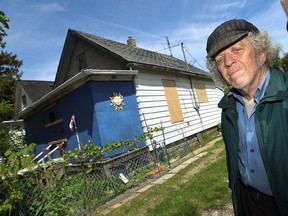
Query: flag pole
x=77, y=136
x=73, y=125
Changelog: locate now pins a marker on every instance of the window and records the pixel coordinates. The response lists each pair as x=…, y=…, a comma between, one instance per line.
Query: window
x=51, y=117
x=201, y=92
x=82, y=63
x=173, y=102
x=24, y=101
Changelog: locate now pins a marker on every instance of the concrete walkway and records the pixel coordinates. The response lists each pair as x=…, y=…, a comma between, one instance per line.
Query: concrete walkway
x=200, y=152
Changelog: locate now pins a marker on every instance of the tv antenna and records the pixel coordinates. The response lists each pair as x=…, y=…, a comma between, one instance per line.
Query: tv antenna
x=169, y=46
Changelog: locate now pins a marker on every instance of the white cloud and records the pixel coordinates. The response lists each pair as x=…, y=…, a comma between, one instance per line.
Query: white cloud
x=52, y=7
x=230, y=5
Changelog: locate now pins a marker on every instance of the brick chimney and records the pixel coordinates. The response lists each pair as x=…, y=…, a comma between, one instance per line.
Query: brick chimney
x=131, y=41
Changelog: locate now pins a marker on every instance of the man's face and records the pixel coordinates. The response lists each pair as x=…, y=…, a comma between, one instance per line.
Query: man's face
x=239, y=64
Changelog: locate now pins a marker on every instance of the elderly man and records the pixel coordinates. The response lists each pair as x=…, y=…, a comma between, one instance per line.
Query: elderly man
x=254, y=117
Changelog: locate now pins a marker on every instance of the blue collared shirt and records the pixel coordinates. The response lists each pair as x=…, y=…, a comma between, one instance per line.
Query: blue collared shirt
x=251, y=166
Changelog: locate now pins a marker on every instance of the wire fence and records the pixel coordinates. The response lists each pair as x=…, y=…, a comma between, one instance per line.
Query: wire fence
x=61, y=188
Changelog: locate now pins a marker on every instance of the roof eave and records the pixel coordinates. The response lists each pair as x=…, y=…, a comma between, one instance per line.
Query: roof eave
x=76, y=81
x=172, y=70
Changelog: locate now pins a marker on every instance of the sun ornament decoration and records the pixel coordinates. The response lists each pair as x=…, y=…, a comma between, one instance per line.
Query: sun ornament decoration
x=117, y=101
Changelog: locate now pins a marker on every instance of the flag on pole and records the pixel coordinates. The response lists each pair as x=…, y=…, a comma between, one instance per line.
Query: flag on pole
x=72, y=123
x=72, y=126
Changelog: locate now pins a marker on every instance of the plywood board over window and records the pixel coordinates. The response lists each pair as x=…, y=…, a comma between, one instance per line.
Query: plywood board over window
x=173, y=102
x=201, y=92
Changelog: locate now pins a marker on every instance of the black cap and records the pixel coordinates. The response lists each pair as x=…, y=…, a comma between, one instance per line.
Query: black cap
x=227, y=34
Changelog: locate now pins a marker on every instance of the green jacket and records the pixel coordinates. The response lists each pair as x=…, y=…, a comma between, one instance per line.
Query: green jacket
x=271, y=122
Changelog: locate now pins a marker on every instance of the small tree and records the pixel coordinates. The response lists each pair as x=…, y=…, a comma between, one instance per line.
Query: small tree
x=282, y=62
x=58, y=196
x=11, y=191
x=6, y=110
x=9, y=71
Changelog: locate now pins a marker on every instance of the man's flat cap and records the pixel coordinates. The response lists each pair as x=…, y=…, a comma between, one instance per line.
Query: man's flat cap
x=227, y=34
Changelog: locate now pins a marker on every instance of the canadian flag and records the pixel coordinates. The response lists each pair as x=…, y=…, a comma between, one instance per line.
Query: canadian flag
x=72, y=123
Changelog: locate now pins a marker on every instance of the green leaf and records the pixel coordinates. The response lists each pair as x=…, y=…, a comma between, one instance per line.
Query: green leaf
x=8, y=153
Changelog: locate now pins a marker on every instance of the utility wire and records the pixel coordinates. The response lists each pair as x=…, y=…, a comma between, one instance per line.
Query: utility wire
x=176, y=45
x=186, y=49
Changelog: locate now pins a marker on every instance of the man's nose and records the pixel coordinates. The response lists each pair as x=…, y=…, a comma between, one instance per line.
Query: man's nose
x=229, y=59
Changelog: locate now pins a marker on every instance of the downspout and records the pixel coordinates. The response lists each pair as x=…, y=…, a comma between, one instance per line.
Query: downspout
x=196, y=106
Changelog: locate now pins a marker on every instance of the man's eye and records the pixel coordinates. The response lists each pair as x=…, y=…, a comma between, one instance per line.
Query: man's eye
x=219, y=61
x=237, y=50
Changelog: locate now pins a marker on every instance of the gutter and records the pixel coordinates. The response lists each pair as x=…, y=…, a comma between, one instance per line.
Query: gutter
x=184, y=72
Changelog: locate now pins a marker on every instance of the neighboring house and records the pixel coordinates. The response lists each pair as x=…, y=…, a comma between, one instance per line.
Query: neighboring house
x=30, y=91
x=27, y=93
x=116, y=91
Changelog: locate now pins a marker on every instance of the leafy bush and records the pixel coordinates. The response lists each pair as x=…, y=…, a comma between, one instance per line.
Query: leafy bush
x=43, y=190
x=11, y=193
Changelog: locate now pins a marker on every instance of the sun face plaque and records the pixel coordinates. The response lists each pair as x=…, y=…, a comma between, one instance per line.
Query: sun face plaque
x=117, y=101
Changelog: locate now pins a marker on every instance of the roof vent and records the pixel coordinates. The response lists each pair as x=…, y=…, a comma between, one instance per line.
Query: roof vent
x=131, y=41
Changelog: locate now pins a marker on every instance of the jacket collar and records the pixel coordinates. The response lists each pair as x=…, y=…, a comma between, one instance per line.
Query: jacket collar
x=277, y=87
x=228, y=101
x=276, y=90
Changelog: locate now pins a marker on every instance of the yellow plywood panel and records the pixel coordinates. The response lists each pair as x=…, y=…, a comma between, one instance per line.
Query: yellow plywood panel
x=201, y=92
x=173, y=102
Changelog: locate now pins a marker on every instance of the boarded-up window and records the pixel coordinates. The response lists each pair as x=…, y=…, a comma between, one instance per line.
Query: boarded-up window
x=173, y=102
x=201, y=92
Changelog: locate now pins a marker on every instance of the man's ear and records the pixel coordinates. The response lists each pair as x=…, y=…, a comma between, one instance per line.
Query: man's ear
x=263, y=58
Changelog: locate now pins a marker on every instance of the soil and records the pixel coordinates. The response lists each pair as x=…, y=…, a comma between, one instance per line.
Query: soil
x=226, y=210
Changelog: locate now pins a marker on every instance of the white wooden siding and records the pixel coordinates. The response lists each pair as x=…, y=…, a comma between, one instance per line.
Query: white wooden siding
x=154, y=111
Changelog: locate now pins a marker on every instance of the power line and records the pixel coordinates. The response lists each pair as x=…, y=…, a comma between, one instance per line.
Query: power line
x=183, y=48
x=186, y=49
x=173, y=46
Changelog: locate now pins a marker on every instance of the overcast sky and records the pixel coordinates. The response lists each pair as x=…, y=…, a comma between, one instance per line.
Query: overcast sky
x=38, y=28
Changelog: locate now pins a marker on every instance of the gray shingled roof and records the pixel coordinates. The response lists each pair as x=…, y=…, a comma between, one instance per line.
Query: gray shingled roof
x=36, y=89
x=142, y=56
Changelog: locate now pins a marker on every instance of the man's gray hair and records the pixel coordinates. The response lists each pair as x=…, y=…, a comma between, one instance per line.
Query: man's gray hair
x=261, y=42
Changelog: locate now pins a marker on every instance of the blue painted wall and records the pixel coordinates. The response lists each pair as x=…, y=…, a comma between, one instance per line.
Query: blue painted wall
x=114, y=124
x=96, y=119
x=78, y=103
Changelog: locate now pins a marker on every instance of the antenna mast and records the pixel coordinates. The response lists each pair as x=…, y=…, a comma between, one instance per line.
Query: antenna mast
x=182, y=47
x=169, y=46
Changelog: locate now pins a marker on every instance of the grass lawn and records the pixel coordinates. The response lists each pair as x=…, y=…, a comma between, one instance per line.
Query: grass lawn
x=198, y=187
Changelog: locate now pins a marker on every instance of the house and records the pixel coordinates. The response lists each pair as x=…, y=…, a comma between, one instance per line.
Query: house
x=30, y=91
x=117, y=91
x=27, y=93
